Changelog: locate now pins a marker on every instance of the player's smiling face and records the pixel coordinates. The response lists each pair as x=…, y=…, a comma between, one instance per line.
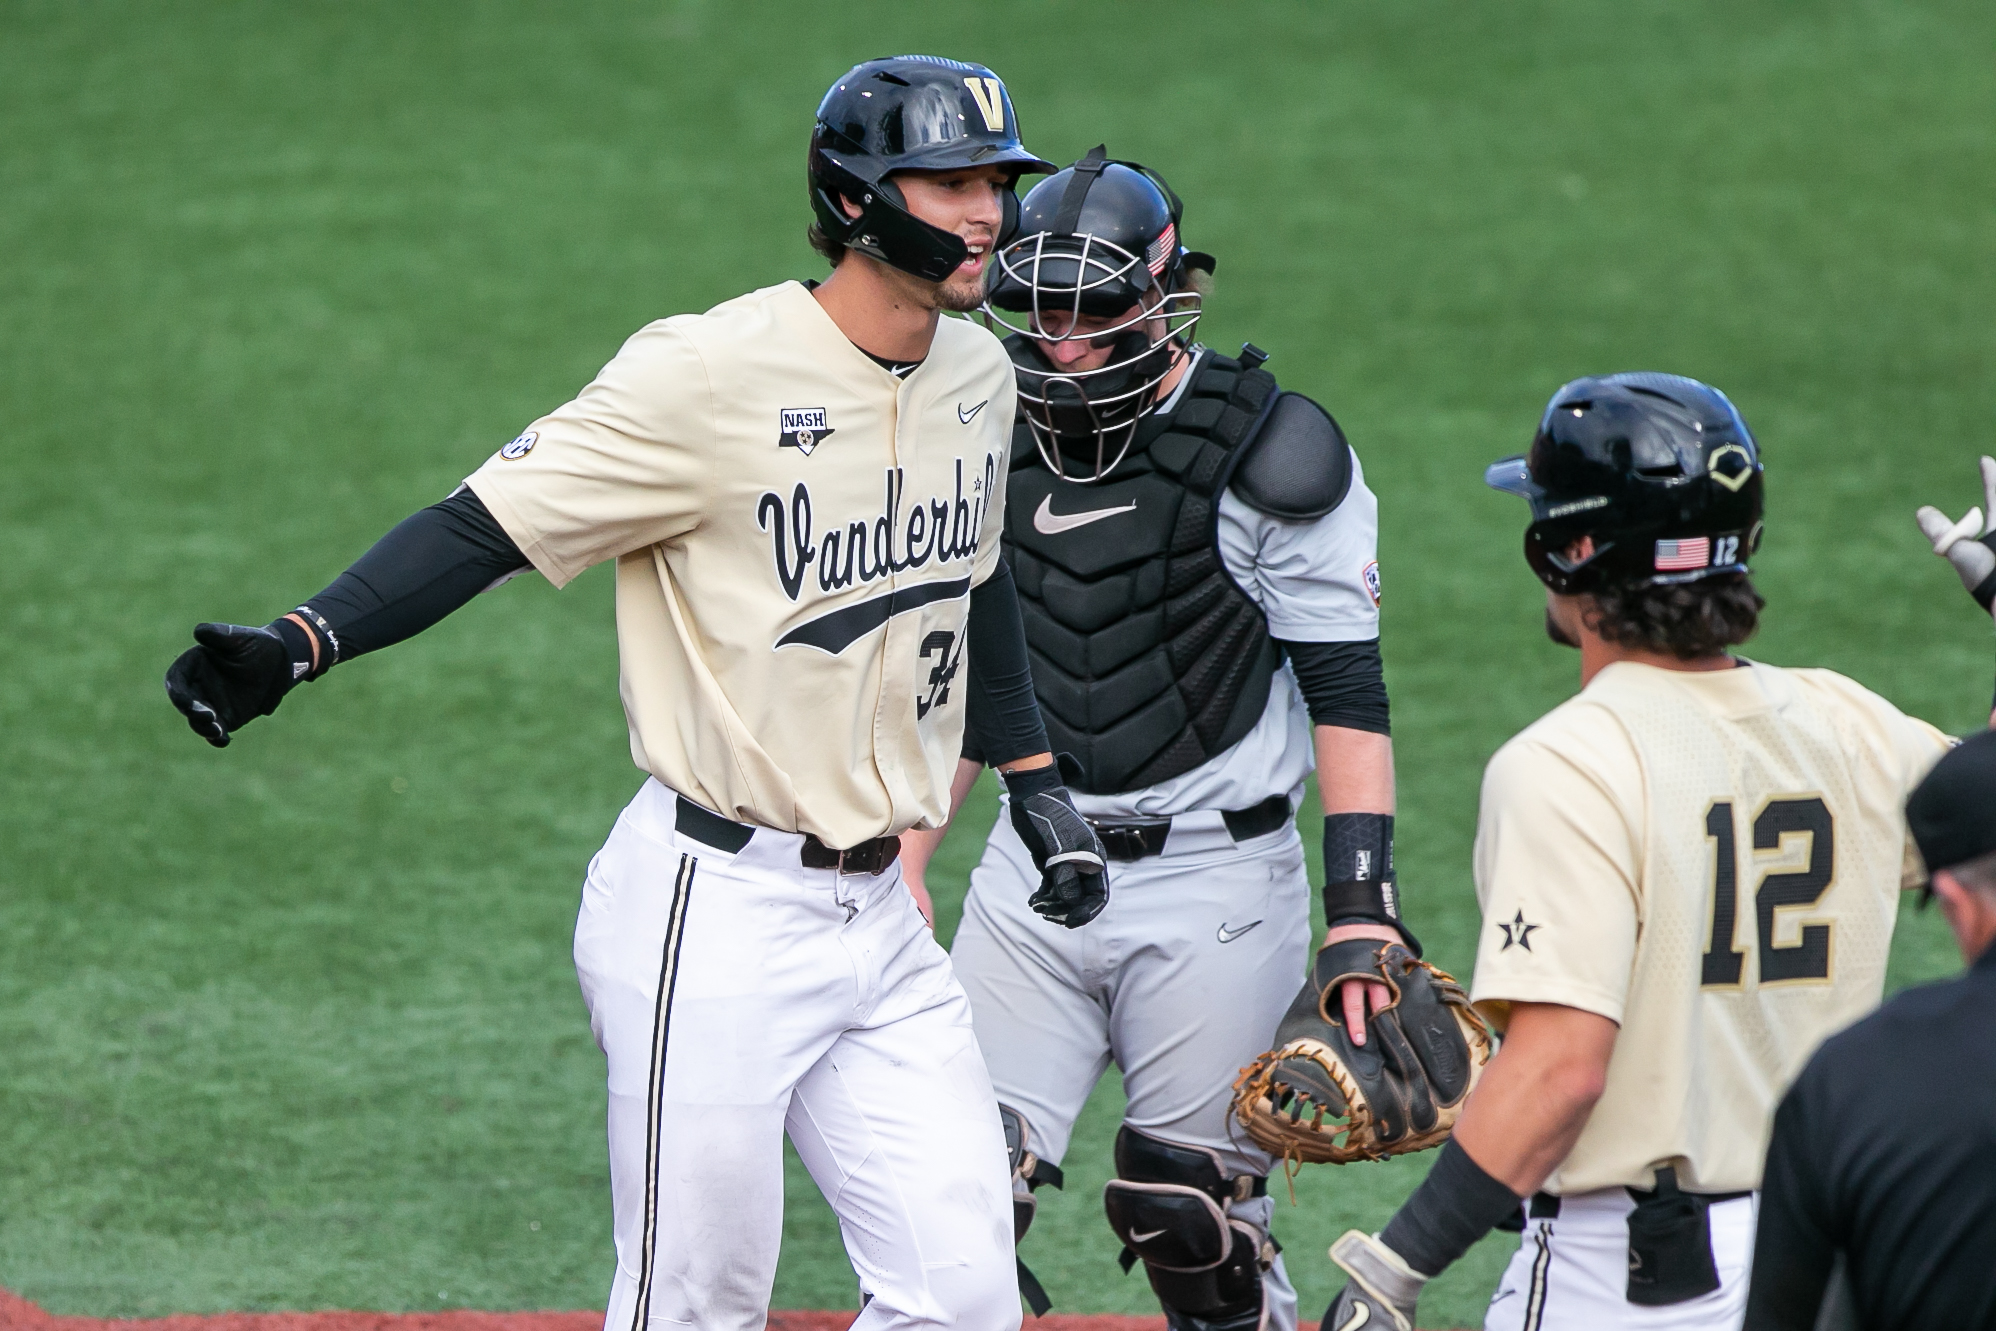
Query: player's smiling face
x=968, y=202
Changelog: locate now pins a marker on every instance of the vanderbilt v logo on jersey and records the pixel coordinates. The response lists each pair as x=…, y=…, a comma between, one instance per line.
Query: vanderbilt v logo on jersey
x=801, y=428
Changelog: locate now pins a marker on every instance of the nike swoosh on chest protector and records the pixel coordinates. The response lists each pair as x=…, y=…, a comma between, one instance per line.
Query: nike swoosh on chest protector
x=1049, y=523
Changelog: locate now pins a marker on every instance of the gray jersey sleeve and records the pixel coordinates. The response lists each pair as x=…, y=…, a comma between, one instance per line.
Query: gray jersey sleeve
x=1316, y=581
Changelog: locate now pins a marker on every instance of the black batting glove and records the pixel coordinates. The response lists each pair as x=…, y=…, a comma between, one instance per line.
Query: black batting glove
x=236, y=673
x=1074, y=883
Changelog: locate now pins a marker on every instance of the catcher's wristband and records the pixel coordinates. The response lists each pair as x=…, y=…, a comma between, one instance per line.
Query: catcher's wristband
x=1358, y=872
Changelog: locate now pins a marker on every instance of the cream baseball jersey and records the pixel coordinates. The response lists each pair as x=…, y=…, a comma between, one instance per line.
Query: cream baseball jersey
x=796, y=534
x=1712, y=860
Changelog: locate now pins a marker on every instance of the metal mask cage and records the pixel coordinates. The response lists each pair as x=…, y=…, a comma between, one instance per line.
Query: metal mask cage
x=1095, y=269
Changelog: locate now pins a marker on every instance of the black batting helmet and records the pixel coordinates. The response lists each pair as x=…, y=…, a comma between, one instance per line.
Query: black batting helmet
x=1098, y=239
x=909, y=113
x=1660, y=470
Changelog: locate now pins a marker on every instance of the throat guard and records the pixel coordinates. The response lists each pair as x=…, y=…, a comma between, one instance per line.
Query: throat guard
x=1147, y=659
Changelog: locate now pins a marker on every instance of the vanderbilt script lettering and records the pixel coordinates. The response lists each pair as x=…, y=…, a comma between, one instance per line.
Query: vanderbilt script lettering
x=937, y=530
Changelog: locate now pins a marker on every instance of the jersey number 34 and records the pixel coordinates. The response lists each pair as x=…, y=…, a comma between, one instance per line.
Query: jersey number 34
x=1808, y=959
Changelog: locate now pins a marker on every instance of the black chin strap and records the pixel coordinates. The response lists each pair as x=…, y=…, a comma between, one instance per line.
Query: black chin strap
x=1086, y=171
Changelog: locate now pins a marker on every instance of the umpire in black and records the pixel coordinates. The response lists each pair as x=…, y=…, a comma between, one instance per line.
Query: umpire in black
x=1879, y=1205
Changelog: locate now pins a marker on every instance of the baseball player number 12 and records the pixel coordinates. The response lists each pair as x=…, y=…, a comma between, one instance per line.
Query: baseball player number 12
x=1809, y=959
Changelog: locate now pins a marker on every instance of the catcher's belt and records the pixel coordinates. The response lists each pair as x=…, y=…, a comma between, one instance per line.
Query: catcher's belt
x=1317, y=1096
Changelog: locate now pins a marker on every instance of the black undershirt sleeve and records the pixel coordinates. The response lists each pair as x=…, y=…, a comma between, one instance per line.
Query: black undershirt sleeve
x=1002, y=718
x=1343, y=683
x=433, y=562
x=1794, y=1252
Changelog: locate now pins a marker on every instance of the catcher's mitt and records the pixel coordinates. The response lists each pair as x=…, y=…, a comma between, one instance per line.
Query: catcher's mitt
x=1401, y=1091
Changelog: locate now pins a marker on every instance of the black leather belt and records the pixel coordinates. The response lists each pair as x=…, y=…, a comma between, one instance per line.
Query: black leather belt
x=728, y=836
x=1127, y=839
x=1545, y=1206
x=867, y=857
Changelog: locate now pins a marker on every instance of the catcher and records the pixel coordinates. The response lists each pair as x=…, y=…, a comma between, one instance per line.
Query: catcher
x=1688, y=876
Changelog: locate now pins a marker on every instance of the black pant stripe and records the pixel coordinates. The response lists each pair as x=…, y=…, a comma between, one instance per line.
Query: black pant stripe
x=1535, y=1304
x=661, y=1024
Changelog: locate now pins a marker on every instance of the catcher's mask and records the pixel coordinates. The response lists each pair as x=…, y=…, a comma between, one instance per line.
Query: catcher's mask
x=1097, y=260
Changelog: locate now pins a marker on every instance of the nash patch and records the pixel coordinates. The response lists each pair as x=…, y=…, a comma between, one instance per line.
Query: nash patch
x=801, y=428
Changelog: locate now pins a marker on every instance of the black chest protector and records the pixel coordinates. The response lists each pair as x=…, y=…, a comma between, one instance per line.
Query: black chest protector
x=1147, y=658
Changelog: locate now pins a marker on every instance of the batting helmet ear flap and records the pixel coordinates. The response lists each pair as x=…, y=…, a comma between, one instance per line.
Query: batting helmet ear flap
x=1008, y=224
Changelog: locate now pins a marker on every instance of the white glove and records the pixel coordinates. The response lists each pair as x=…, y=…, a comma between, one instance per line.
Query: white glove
x=1970, y=545
x=1382, y=1291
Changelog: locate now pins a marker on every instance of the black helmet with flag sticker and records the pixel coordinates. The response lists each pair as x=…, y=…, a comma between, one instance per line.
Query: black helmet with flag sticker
x=1097, y=259
x=1660, y=470
x=909, y=113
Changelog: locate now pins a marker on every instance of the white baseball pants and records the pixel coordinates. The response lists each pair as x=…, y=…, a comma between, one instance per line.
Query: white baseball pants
x=738, y=997
x=1571, y=1273
x=1181, y=981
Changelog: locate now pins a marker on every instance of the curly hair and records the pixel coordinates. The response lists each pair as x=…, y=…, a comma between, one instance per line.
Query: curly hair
x=825, y=245
x=1685, y=620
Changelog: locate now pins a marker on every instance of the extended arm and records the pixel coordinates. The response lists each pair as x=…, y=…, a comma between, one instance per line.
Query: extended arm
x=1970, y=545
x=1344, y=686
x=432, y=563
x=1521, y=1121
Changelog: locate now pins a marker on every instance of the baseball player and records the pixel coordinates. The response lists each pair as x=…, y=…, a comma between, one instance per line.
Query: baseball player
x=1688, y=873
x=1195, y=555
x=802, y=490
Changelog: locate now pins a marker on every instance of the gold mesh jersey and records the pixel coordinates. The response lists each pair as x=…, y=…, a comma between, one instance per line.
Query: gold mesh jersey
x=796, y=533
x=1711, y=860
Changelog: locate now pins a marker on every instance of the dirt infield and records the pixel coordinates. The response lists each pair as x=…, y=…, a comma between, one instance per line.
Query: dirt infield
x=17, y=1314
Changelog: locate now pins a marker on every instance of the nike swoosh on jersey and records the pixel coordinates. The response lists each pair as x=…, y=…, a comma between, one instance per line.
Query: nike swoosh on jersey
x=968, y=416
x=1049, y=523
x=1226, y=935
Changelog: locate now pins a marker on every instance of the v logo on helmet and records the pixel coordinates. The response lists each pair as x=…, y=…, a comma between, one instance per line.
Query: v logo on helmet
x=990, y=97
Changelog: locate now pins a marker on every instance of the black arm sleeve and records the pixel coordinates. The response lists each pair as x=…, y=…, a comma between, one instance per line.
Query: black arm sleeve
x=1002, y=719
x=1344, y=683
x=1793, y=1252
x=432, y=563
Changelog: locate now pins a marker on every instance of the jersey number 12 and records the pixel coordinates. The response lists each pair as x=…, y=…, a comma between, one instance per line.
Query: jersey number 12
x=1808, y=959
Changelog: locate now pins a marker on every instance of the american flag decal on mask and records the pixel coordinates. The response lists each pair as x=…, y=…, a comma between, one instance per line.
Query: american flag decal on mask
x=1160, y=251
x=1675, y=556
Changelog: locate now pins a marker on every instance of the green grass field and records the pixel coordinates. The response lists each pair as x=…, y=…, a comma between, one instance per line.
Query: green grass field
x=294, y=1025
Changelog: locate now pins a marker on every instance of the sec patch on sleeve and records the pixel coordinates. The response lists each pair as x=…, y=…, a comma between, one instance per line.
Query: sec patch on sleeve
x=520, y=447
x=1371, y=577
